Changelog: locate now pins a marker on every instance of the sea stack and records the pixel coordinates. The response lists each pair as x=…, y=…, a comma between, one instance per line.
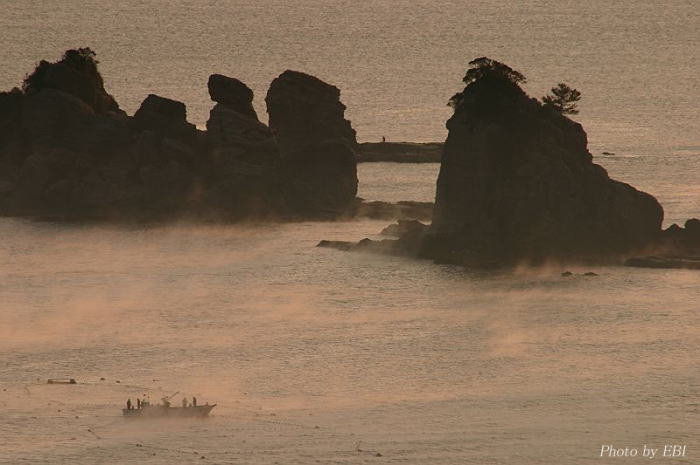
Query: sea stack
x=317, y=144
x=517, y=184
x=243, y=159
x=68, y=151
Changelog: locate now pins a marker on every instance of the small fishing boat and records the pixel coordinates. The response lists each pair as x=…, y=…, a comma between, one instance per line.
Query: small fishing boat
x=61, y=381
x=166, y=411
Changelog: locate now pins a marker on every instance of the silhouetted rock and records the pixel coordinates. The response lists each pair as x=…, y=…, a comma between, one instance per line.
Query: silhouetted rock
x=69, y=152
x=386, y=246
x=243, y=172
x=517, y=183
x=676, y=247
x=680, y=241
x=232, y=93
x=75, y=74
x=53, y=118
x=66, y=150
x=317, y=144
x=404, y=227
x=166, y=117
x=339, y=245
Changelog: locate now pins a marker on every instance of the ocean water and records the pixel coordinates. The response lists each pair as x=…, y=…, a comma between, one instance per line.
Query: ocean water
x=318, y=356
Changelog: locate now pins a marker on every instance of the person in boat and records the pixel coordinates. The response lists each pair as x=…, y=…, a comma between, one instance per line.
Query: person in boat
x=128, y=404
x=184, y=402
x=194, y=401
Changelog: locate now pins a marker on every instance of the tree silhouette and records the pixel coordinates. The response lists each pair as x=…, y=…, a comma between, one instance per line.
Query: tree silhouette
x=486, y=67
x=499, y=75
x=562, y=98
x=81, y=60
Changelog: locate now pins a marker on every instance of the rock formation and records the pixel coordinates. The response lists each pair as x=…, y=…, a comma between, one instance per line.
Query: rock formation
x=68, y=151
x=62, y=141
x=517, y=184
x=244, y=157
x=676, y=247
x=317, y=144
x=75, y=74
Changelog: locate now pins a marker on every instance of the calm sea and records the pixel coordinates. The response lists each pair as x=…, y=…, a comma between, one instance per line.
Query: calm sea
x=318, y=356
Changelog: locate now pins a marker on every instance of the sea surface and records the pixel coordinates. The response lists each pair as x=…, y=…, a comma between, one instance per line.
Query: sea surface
x=318, y=356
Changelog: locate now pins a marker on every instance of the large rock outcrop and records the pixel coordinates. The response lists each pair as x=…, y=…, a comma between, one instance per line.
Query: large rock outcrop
x=517, y=184
x=75, y=74
x=68, y=151
x=317, y=144
x=243, y=159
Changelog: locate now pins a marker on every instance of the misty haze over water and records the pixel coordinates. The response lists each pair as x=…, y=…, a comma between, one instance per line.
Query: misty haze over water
x=316, y=355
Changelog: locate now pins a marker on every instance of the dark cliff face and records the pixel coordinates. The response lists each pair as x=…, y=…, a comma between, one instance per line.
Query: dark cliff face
x=67, y=151
x=517, y=183
x=317, y=144
x=75, y=74
x=243, y=156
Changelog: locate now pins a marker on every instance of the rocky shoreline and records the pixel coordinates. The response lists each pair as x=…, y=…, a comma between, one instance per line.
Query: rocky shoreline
x=67, y=151
x=518, y=186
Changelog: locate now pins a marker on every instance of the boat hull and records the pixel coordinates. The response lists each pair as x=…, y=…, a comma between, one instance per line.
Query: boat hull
x=159, y=411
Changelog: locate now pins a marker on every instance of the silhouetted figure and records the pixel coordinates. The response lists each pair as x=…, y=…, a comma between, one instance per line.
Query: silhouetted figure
x=128, y=404
x=194, y=401
x=383, y=139
x=138, y=403
x=184, y=402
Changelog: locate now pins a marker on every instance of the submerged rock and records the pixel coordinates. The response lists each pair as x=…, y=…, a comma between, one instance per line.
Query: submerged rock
x=317, y=144
x=410, y=235
x=404, y=227
x=676, y=240
x=676, y=247
x=518, y=184
x=386, y=246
